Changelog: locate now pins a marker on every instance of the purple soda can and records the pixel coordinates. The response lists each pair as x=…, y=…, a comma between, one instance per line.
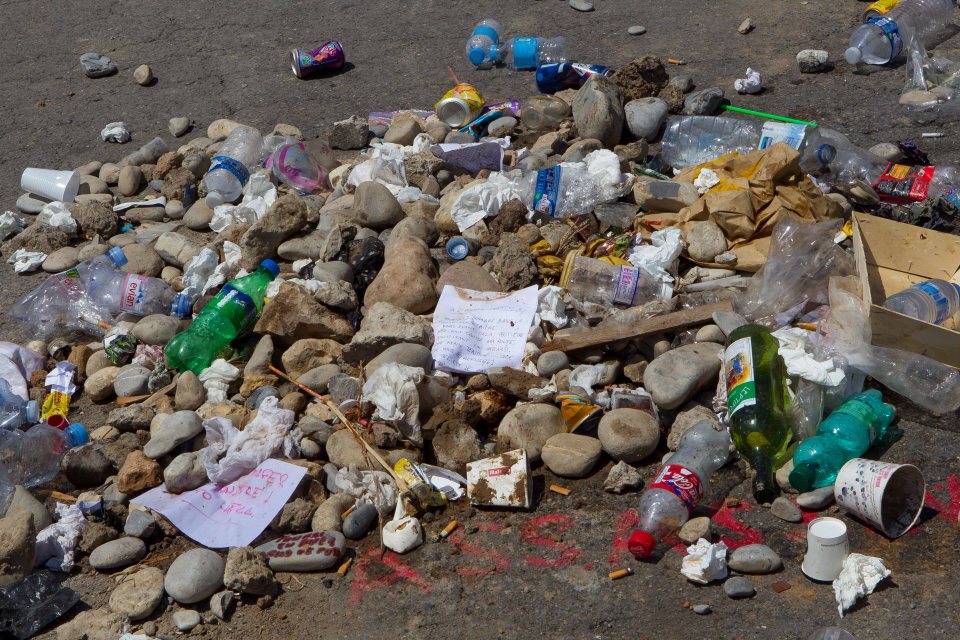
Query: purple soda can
x=327, y=57
x=566, y=75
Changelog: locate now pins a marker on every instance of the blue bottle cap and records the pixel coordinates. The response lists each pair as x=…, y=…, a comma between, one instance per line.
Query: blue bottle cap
x=76, y=434
x=457, y=248
x=271, y=266
x=182, y=306
x=826, y=153
x=118, y=256
x=525, y=53
x=477, y=55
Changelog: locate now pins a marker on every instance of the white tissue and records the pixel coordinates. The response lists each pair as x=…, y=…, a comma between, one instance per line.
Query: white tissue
x=753, y=83
x=705, y=562
x=793, y=341
x=24, y=261
x=858, y=578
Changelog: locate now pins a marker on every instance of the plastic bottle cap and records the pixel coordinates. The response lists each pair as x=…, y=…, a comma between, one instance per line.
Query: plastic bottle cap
x=852, y=55
x=182, y=306
x=826, y=153
x=641, y=544
x=271, y=266
x=31, y=411
x=76, y=434
x=118, y=257
x=477, y=55
x=214, y=199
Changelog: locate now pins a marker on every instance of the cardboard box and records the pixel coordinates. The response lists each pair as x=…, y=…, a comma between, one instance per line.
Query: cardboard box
x=892, y=256
x=501, y=481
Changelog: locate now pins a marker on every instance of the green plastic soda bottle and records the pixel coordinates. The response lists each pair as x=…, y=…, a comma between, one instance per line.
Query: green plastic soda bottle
x=230, y=313
x=845, y=434
x=757, y=404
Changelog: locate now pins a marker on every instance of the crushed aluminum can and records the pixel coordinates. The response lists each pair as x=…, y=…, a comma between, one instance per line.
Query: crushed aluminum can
x=501, y=481
x=460, y=106
x=327, y=57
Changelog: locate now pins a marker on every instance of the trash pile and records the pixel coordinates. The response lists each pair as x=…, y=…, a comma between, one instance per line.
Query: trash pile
x=303, y=347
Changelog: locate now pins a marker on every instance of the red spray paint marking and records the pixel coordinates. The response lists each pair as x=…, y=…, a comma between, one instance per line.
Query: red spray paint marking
x=626, y=523
x=952, y=508
x=494, y=560
x=724, y=517
x=799, y=532
x=398, y=571
x=533, y=532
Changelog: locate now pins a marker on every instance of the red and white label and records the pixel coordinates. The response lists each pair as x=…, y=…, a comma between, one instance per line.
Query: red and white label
x=681, y=481
x=132, y=297
x=498, y=471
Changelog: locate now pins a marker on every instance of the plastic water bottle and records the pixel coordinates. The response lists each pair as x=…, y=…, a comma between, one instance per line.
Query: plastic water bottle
x=831, y=633
x=529, y=52
x=666, y=504
x=120, y=292
x=32, y=457
x=14, y=410
x=230, y=168
x=691, y=140
x=881, y=40
x=230, y=313
x=931, y=301
x=603, y=283
x=845, y=434
x=483, y=43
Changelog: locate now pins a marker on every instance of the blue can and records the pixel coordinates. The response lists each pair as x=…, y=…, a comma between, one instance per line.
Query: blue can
x=567, y=75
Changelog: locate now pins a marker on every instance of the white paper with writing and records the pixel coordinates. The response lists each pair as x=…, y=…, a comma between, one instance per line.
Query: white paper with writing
x=478, y=330
x=232, y=515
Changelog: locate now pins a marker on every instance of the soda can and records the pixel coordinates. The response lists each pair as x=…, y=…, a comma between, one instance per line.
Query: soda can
x=460, y=106
x=567, y=75
x=327, y=57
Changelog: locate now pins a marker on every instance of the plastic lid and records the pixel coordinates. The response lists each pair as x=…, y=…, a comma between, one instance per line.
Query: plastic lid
x=525, y=53
x=182, y=306
x=76, y=434
x=118, y=256
x=641, y=544
x=457, y=248
x=853, y=55
x=271, y=266
x=477, y=55
x=31, y=411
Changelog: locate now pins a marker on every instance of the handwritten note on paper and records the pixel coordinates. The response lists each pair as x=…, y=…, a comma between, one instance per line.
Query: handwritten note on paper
x=477, y=330
x=232, y=515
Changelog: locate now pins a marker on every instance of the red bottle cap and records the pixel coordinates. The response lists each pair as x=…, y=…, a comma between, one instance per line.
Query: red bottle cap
x=641, y=544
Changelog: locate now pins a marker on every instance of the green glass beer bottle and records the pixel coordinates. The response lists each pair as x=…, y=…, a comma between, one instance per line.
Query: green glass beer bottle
x=757, y=404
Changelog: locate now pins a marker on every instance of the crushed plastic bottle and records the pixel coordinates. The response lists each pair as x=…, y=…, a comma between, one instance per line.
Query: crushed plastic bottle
x=292, y=164
x=666, y=504
x=932, y=301
x=881, y=40
x=529, y=52
x=483, y=43
x=831, y=633
x=31, y=458
x=230, y=313
x=607, y=284
x=573, y=188
x=14, y=410
x=230, y=168
x=691, y=140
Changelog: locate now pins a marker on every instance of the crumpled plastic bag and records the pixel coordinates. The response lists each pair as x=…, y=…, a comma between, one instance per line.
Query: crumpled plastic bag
x=17, y=364
x=56, y=214
x=11, y=223
x=374, y=487
x=231, y=454
x=483, y=200
x=800, y=363
x=392, y=389
x=24, y=261
x=705, y=562
x=585, y=376
x=385, y=165
x=115, y=132
x=753, y=83
x=57, y=542
x=205, y=271
x=858, y=578
x=660, y=256
x=259, y=194
x=934, y=77
x=216, y=379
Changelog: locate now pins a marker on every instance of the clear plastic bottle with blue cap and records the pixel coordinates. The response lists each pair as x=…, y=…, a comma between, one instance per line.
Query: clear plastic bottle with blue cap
x=230, y=168
x=233, y=311
x=482, y=46
x=31, y=458
x=14, y=410
x=529, y=52
x=121, y=292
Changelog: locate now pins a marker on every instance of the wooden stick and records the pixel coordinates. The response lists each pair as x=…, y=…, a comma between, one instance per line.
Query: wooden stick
x=151, y=398
x=453, y=75
x=584, y=338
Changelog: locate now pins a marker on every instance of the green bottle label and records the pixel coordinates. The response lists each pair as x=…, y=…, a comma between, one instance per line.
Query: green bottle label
x=739, y=375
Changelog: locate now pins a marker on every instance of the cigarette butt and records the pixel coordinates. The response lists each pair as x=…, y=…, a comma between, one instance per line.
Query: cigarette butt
x=809, y=326
x=620, y=573
x=561, y=490
x=342, y=571
x=447, y=530
x=675, y=61
x=348, y=511
x=931, y=134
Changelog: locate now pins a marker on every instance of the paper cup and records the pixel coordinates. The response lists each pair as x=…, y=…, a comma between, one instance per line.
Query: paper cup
x=51, y=184
x=827, y=547
x=887, y=496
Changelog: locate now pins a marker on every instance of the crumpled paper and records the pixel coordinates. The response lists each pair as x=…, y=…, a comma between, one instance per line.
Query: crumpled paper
x=658, y=257
x=374, y=487
x=858, y=578
x=231, y=453
x=24, y=261
x=707, y=180
x=11, y=223
x=115, y=132
x=392, y=389
x=56, y=214
x=60, y=379
x=705, y=562
x=57, y=542
x=753, y=83
x=259, y=194
x=216, y=380
x=550, y=307
x=793, y=341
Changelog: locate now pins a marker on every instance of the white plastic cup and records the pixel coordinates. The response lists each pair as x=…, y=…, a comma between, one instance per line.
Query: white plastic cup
x=886, y=495
x=51, y=184
x=827, y=547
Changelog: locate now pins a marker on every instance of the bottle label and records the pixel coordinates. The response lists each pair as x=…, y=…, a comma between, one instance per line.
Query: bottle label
x=738, y=369
x=863, y=413
x=903, y=184
x=682, y=482
x=774, y=132
x=227, y=163
x=943, y=305
x=892, y=31
x=484, y=30
x=69, y=283
x=132, y=298
x=545, y=192
x=627, y=278
x=952, y=196
x=231, y=297
x=882, y=6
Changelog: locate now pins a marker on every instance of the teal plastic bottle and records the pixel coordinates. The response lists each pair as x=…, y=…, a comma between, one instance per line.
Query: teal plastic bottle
x=845, y=434
x=230, y=313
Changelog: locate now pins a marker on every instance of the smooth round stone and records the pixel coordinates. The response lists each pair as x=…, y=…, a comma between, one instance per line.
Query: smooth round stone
x=29, y=203
x=358, y=523
x=61, y=260
x=194, y=576
x=701, y=609
x=754, y=558
x=785, y=510
x=140, y=524
x=186, y=620
x=313, y=551
x=118, y=553
x=551, y=362
x=816, y=499
x=501, y=126
x=139, y=594
x=580, y=5
x=739, y=587
x=637, y=30
x=131, y=381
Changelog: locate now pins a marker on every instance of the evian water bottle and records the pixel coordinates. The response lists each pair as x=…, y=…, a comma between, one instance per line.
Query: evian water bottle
x=120, y=292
